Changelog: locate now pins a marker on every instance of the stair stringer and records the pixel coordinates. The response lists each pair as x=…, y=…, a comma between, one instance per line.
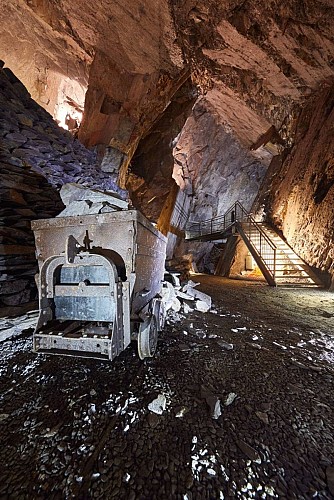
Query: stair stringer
x=256, y=256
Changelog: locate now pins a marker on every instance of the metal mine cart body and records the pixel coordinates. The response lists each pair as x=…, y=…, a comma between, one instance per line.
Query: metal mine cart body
x=99, y=283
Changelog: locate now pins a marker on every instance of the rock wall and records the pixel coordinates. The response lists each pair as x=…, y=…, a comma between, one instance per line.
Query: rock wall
x=36, y=158
x=214, y=168
x=297, y=195
x=211, y=158
x=150, y=180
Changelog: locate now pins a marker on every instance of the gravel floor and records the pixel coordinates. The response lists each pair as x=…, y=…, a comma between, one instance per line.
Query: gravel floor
x=74, y=428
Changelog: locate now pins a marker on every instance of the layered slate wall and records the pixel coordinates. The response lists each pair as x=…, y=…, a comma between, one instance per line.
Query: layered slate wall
x=36, y=158
x=298, y=192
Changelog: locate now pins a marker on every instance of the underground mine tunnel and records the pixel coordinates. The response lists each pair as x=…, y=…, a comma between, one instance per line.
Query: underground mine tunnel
x=166, y=249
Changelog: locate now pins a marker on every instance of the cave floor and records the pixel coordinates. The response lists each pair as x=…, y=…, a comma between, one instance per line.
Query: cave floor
x=79, y=428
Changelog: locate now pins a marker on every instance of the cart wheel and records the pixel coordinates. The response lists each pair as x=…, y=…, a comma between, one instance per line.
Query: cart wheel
x=148, y=338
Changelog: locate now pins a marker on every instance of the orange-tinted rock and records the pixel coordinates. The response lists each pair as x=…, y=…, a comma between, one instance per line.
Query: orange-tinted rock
x=298, y=194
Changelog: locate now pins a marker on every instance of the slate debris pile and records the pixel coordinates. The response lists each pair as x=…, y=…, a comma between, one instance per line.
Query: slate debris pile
x=36, y=158
x=25, y=196
x=32, y=136
x=203, y=424
x=184, y=299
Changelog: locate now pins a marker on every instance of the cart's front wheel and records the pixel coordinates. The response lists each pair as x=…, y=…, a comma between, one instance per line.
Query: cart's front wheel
x=148, y=337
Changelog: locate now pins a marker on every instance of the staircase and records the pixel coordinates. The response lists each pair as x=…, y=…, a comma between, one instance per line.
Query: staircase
x=279, y=264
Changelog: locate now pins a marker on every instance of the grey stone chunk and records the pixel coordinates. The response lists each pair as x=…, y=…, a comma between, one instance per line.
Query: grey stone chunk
x=112, y=160
x=249, y=451
x=225, y=345
x=75, y=192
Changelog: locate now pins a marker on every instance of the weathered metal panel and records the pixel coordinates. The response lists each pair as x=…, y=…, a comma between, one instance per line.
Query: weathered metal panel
x=76, y=274
x=124, y=235
x=84, y=308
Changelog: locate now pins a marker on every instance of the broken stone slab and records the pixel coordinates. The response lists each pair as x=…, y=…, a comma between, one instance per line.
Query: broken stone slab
x=202, y=306
x=175, y=304
x=71, y=192
x=225, y=345
x=262, y=416
x=76, y=208
x=250, y=452
x=183, y=295
x=18, y=329
x=230, y=398
x=201, y=296
x=189, y=284
x=186, y=307
x=212, y=401
x=158, y=405
x=169, y=297
x=86, y=208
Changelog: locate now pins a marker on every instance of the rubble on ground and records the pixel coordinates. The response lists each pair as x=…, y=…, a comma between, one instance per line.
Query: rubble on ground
x=183, y=298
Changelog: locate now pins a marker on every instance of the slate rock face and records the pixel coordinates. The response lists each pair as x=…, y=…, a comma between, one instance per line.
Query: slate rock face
x=298, y=190
x=36, y=158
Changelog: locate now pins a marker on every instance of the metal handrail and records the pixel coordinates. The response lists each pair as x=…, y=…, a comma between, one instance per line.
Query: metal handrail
x=261, y=243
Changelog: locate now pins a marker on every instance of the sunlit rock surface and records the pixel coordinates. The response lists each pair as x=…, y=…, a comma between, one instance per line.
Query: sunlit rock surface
x=133, y=58
x=298, y=193
x=117, y=67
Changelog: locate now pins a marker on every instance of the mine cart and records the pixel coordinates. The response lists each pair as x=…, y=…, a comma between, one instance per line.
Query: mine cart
x=99, y=283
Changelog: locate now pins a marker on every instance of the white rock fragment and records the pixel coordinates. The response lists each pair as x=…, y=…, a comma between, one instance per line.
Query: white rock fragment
x=217, y=410
x=158, y=405
x=189, y=284
x=183, y=295
x=203, y=297
x=188, y=298
x=72, y=192
x=230, y=398
x=225, y=345
x=182, y=412
x=187, y=308
x=175, y=304
x=212, y=472
x=202, y=306
x=92, y=409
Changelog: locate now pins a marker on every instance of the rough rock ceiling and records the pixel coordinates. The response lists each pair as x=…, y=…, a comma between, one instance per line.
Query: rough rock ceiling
x=124, y=52
x=258, y=60
x=269, y=54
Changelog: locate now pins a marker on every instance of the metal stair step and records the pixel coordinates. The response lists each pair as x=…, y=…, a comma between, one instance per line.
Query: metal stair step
x=292, y=277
